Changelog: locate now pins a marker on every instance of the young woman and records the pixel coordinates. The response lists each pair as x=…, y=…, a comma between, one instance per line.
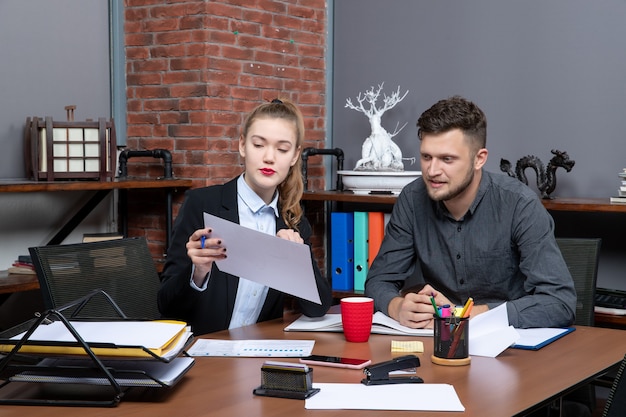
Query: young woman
x=266, y=197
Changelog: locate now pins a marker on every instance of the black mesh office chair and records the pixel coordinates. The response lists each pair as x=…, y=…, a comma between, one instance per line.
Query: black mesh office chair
x=581, y=256
x=123, y=268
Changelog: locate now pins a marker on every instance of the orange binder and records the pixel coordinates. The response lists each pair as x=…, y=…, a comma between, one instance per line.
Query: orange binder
x=376, y=231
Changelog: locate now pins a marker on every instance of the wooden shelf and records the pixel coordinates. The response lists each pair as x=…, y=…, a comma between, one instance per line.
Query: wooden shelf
x=100, y=190
x=602, y=205
x=349, y=197
x=610, y=320
x=10, y=283
x=23, y=186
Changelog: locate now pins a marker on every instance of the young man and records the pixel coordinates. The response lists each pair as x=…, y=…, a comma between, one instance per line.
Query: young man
x=463, y=232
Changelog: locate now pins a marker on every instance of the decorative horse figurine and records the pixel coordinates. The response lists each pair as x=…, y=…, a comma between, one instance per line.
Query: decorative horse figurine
x=546, y=178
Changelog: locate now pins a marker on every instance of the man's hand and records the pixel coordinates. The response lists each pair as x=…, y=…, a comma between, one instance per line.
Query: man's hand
x=413, y=310
x=416, y=310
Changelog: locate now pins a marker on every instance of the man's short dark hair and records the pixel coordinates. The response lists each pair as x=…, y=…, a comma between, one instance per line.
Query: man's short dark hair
x=454, y=113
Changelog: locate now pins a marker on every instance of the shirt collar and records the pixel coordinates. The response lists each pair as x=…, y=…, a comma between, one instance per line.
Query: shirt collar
x=252, y=199
x=483, y=187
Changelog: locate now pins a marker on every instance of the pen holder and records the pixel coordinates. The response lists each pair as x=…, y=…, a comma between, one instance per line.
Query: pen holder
x=451, y=341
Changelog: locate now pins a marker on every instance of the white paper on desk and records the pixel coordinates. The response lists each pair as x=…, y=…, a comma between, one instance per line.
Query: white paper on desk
x=265, y=259
x=490, y=333
x=413, y=397
x=252, y=348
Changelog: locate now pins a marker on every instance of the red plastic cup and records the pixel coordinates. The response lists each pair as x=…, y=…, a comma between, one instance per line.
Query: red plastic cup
x=356, y=318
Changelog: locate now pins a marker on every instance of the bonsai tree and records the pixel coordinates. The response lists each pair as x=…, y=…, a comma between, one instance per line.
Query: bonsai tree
x=379, y=152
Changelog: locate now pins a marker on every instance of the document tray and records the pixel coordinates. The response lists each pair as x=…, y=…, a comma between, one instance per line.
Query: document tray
x=83, y=370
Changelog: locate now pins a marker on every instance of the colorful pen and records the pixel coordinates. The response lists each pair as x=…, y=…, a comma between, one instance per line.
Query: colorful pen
x=469, y=309
x=202, y=240
x=432, y=300
x=466, y=306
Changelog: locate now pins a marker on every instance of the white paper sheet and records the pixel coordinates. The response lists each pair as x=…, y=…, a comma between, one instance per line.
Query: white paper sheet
x=490, y=333
x=265, y=259
x=413, y=397
x=252, y=348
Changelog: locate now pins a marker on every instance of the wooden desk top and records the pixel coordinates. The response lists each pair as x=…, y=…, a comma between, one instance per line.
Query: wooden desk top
x=10, y=283
x=515, y=381
x=23, y=186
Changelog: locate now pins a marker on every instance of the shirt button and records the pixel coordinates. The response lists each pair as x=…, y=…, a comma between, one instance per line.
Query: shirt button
x=462, y=282
x=458, y=256
x=458, y=229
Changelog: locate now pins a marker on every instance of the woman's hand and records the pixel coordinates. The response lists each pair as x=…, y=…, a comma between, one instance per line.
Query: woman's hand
x=290, y=234
x=203, y=250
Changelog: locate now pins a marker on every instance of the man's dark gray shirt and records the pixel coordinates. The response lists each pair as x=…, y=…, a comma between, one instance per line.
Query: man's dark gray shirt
x=502, y=250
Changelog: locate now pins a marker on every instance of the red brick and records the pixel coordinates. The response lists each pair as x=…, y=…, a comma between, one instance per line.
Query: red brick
x=194, y=63
x=219, y=9
x=171, y=10
x=161, y=25
x=169, y=38
x=178, y=77
x=191, y=80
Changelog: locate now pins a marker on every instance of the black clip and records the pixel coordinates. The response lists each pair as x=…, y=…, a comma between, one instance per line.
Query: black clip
x=378, y=374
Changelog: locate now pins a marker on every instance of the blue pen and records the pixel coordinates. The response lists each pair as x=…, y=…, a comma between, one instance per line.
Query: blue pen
x=202, y=239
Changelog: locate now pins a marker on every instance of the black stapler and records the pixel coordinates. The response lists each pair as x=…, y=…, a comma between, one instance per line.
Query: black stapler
x=378, y=374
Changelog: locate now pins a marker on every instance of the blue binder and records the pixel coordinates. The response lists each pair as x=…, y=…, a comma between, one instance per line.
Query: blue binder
x=361, y=248
x=342, y=250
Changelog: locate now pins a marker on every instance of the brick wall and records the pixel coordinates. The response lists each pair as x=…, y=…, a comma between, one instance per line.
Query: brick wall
x=193, y=71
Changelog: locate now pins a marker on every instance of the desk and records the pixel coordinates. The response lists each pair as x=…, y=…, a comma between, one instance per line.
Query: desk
x=101, y=189
x=515, y=381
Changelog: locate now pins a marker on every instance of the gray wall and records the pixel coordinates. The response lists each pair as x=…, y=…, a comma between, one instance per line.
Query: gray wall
x=53, y=53
x=549, y=75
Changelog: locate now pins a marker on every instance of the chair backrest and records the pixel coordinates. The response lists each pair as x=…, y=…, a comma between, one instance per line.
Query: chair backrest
x=581, y=256
x=123, y=268
x=616, y=401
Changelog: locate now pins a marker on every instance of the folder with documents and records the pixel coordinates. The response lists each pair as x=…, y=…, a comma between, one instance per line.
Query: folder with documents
x=342, y=251
x=118, y=338
x=375, y=232
x=360, y=249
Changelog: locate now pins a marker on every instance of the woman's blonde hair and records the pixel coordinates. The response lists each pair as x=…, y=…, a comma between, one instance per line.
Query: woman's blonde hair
x=291, y=189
